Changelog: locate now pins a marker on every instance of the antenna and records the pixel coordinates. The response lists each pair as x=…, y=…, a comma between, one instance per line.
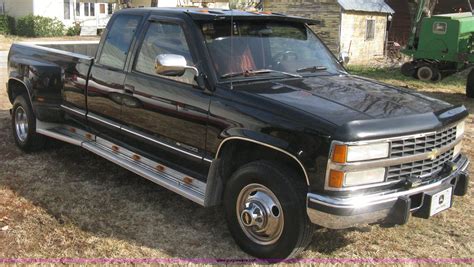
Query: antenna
x=231, y=43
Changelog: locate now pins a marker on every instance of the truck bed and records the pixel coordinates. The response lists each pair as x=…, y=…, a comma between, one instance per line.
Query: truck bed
x=54, y=74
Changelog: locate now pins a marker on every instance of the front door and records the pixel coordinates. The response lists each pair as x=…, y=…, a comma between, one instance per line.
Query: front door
x=168, y=117
x=105, y=91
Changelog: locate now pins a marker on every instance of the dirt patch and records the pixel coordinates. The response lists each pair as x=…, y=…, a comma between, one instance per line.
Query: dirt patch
x=67, y=203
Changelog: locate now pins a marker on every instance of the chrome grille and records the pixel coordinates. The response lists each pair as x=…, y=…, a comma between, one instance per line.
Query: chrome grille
x=422, y=144
x=419, y=168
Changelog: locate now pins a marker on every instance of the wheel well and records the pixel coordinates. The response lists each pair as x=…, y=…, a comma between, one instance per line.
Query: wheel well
x=236, y=153
x=15, y=88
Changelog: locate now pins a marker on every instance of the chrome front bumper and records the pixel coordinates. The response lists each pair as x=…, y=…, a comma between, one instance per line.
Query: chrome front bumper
x=345, y=212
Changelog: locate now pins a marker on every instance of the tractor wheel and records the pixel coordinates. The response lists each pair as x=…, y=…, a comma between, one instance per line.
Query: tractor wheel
x=427, y=73
x=470, y=84
x=409, y=69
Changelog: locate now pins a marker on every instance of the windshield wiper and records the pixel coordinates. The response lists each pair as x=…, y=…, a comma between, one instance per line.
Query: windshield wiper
x=250, y=73
x=312, y=69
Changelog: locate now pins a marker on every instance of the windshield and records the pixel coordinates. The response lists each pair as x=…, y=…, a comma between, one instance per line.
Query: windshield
x=276, y=47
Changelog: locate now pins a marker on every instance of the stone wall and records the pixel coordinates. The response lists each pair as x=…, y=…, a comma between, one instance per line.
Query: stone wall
x=353, y=36
x=327, y=11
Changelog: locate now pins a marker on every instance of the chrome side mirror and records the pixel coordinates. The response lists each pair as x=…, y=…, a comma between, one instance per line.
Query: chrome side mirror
x=344, y=58
x=173, y=65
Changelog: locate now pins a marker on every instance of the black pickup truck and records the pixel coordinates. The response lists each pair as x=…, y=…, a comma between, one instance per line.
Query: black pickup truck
x=246, y=110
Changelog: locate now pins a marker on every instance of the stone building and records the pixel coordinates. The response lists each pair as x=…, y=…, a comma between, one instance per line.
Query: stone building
x=356, y=27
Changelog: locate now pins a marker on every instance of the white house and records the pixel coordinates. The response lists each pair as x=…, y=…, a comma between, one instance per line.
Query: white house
x=89, y=13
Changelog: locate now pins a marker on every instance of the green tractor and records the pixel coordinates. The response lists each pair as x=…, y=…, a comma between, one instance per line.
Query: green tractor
x=440, y=46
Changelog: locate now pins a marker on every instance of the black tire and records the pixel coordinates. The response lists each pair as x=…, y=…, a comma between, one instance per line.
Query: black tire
x=297, y=230
x=26, y=138
x=425, y=73
x=470, y=84
x=408, y=69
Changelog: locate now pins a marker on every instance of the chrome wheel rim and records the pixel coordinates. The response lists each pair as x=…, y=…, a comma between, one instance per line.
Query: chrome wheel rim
x=21, y=124
x=260, y=214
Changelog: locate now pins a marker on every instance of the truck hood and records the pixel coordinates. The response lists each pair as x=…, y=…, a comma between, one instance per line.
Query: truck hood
x=346, y=101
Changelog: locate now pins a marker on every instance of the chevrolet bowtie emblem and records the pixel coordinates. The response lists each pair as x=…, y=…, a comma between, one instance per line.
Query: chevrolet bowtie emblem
x=433, y=154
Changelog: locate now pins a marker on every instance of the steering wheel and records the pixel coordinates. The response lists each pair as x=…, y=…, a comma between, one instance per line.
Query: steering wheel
x=283, y=56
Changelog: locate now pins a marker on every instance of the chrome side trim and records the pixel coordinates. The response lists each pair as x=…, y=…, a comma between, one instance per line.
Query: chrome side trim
x=128, y=130
x=168, y=178
x=103, y=121
x=156, y=172
x=74, y=110
x=266, y=145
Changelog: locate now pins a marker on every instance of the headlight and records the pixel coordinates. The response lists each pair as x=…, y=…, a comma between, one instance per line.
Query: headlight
x=460, y=129
x=345, y=153
x=365, y=177
x=339, y=179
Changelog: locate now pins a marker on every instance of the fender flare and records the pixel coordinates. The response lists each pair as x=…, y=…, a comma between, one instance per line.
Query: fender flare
x=265, y=144
x=27, y=88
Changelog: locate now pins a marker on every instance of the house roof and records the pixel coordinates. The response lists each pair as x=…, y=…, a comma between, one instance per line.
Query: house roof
x=378, y=6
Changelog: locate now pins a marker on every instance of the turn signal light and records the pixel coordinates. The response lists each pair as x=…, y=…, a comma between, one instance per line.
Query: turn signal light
x=336, y=179
x=339, y=154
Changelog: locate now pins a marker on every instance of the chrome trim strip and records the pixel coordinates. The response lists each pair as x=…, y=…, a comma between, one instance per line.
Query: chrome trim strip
x=128, y=130
x=74, y=110
x=266, y=145
x=103, y=121
x=369, y=200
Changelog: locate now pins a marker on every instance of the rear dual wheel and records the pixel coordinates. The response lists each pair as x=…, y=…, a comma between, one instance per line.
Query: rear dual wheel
x=265, y=209
x=24, y=126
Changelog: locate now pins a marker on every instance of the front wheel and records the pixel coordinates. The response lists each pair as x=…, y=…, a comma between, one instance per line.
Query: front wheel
x=24, y=126
x=266, y=211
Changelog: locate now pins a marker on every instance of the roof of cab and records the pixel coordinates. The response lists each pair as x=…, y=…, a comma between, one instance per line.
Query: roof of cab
x=204, y=14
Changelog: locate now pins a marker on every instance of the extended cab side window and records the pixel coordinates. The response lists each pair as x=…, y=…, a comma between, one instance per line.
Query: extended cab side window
x=164, y=38
x=118, y=41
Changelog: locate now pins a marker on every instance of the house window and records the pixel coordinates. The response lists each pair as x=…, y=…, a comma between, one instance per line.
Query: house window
x=102, y=8
x=89, y=9
x=78, y=9
x=370, y=31
x=86, y=9
x=67, y=9
x=110, y=8
x=154, y=3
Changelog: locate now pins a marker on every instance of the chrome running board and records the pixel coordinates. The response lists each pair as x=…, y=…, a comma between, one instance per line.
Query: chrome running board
x=171, y=179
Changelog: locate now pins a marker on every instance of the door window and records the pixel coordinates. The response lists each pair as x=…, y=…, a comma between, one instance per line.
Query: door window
x=118, y=41
x=164, y=38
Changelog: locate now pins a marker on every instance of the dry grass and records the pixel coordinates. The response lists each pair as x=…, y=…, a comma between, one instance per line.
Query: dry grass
x=66, y=202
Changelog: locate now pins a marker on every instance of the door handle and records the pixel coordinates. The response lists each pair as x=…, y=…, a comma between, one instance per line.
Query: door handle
x=128, y=89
